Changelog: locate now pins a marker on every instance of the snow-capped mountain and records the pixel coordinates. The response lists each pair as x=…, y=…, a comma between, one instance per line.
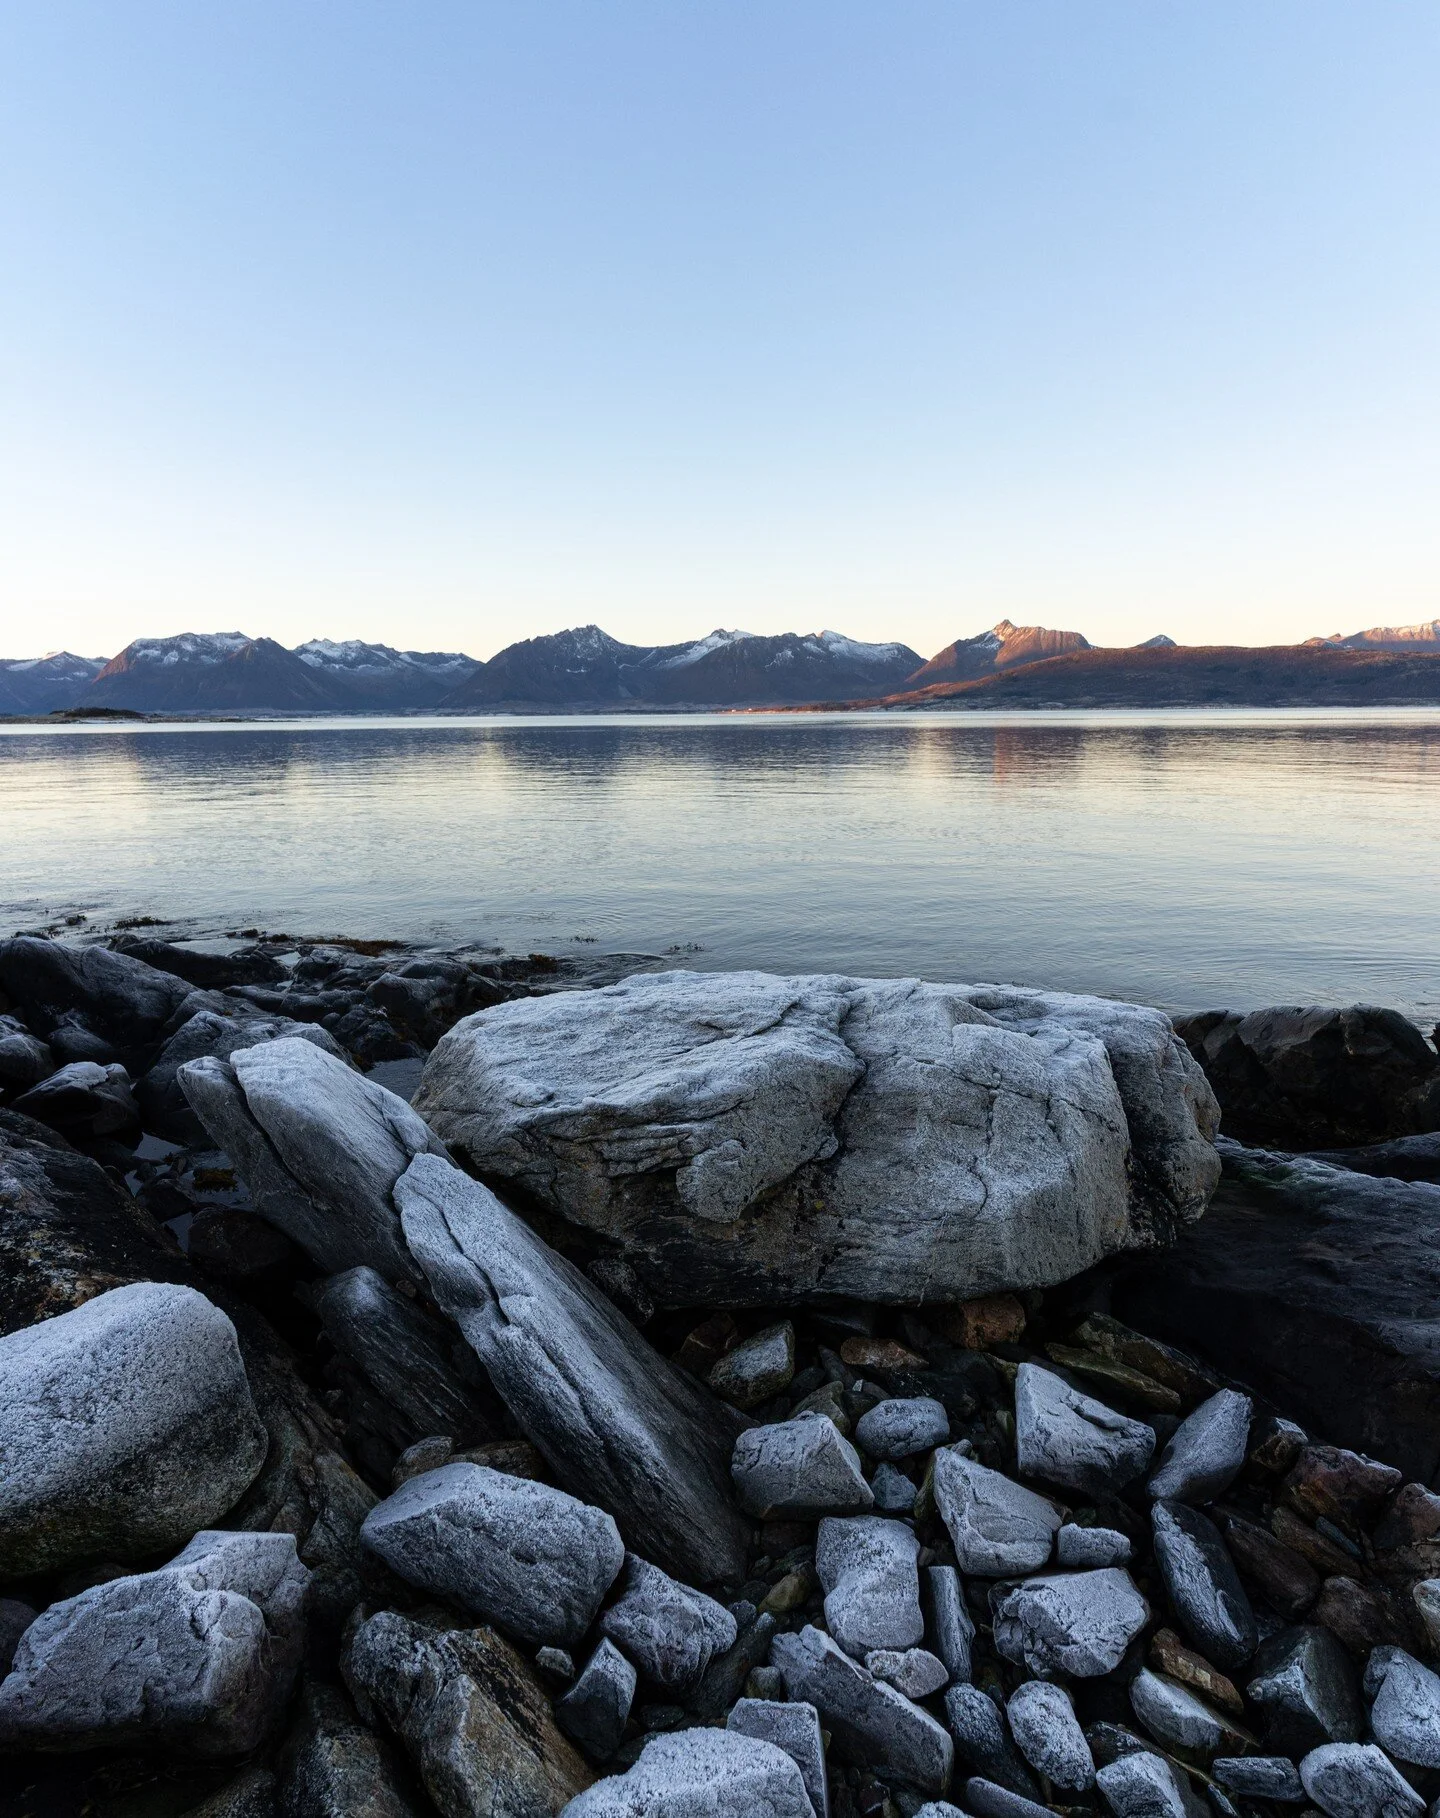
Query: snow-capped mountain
x=45, y=684
x=1424, y=637
x=1005, y=646
x=376, y=676
x=208, y=672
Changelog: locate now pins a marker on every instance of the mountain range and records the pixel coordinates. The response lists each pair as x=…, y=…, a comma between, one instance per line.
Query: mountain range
x=586, y=670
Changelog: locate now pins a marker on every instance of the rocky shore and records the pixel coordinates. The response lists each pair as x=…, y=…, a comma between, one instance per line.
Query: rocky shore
x=706, y=1394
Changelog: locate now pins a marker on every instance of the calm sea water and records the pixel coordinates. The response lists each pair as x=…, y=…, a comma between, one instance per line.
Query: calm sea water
x=1179, y=859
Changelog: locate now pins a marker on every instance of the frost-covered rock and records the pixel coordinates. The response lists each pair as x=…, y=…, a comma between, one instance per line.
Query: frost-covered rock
x=1076, y=1546
x=949, y=1624
x=901, y=1427
x=799, y=1467
x=594, y=1712
x=1079, y=1623
x=669, y=1630
x=794, y=1728
x=1175, y=1717
x=1072, y=1439
x=163, y=1104
x=757, y=1368
x=998, y=1527
x=763, y=1139
x=1259, y=1777
x=1142, y=1785
x=125, y=1425
x=519, y=1554
x=914, y=1671
x=1203, y=1584
x=1304, y=1682
x=1405, y=1717
x=872, y=1585
x=1204, y=1454
x=1357, y=1780
x=1048, y=1734
x=983, y=1740
x=198, y=1657
x=701, y=1774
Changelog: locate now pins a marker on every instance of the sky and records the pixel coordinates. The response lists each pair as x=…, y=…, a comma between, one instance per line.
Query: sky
x=452, y=323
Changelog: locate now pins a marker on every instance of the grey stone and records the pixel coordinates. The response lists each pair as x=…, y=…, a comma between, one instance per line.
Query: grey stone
x=319, y=1146
x=1142, y=1785
x=870, y=1723
x=333, y=1767
x=670, y=1631
x=1071, y=1439
x=939, y=1808
x=251, y=1794
x=757, y=1368
x=1305, y=1684
x=521, y=1554
x=1203, y=1585
x=982, y=1739
x=899, y=1427
x=1175, y=1717
x=1076, y=1546
x=1205, y=1453
x=797, y=1468
x=594, y=1712
x=15, y=1618
x=617, y=1423
x=58, y=987
x=1048, y=1734
x=126, y=1424
x=914, y=1671
x=872, y=1586
x=555, y=1663
x=197, y=1657
x=1079, y=1623
x=987, y=1800
x=999, y=1529
x=1033, y=1133
x=84, y=1100
x=794, y=1728
x=1426, y=1597
x=24, y=1059
x=470, y=1714
x=1259, y=1777
x=950, y=1627
x=1356, y=1780
x=405, y=1357
x=893, y=1491
x=1405, y=1717
x=701, y=1774
x=163, y=1105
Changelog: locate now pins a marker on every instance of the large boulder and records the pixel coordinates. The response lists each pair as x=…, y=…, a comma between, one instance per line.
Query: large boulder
x=618, y=1424
x=198, y=1657
x=163, y=1104
x=1317, y=1077
x=125, y=1425
x=107, y=997
x=1350, y=1347
x=755, y=1139
x=319, y=1146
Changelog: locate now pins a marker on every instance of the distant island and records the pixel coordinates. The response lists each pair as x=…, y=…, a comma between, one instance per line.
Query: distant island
x=584, y=670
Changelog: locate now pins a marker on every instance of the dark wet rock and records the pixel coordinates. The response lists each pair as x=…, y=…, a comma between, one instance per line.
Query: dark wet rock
x=1304, y=1682
x=757, y=1368
x=1356, y=1780
x=119, y=1000
x=84, y=1101
x=1048, y=1734
x=982, y=1740
x=900, y=1427
x=1200, y=1577
x=319, y=1146
x=235, y=1246
x=1071, y=1439
x=1034, y=1132
x=669, y=1630
x=1275, y=1444
x=163, y=1104
x=1180, y=1721
x=1406, y=1158
x=369, y=1036
x=522, y=1555
x=406, y=1358
x=425, y=996
x=1169, y=1655
x=1186, y=1377
x=470, y=1714
x=794, y=1728
x=726, y=1677
x=208, y=971
x=1091, y=1547
x=1352, y=1350
x=15, y=1618
x=1329, y=1554
x=1331, y=1484
x=872, y=1587
x=1205, y=1453
x=616, y=1422
x=1287, y=1580
x=595, y=1710
x=701, y=1774
x=125, y=1425
x=334, y=1767
x=1260, y=1777
x=799, y=1467
x=24, y=1059
x=1080, y=1623
x=1142, y=1785
x=1405, y=1715
x=894, y=1492
x=197, y=1657
x=1307, y=1078
x=949, y=1624
x=1411, y=1518
x=1362, y=1615
x=999, y=1528
x=251, y=1794
x=871, y=1724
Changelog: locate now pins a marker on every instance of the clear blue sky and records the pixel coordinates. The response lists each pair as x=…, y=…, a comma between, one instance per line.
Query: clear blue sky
x=448, y=323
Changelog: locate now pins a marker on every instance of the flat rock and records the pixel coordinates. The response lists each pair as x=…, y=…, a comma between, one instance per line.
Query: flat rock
x=797, y=1468
x=794, y=1728
x=1142, y=1785
x=1205, y=1453
x=914, y=1671
x=1184, y=1723
x=334, y=1767
x=595, y=1710
x=757, y=1139
x=1305, y=1684
x=983, y=1741
x=125, y=1425
x=617, y=1423
x=757, y=1368
x=870, y=1723
x=670, y=1631
x=319, y=1146
x=470, y=1714
x=1259, y=1777
x=1405, y=1717
x=197, y=1658
x=520, y=1554
x=163, y=1105
x=999, y=1529
x=1078, y=1623
x=901, y=1427
x=872, y=1586
x=949, y=1624
x=1076, y=1546
x=1048, y=1734
x=1357, y=1780
x=701, y=1774
x=1070, y=1439
x=1204, y=1588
